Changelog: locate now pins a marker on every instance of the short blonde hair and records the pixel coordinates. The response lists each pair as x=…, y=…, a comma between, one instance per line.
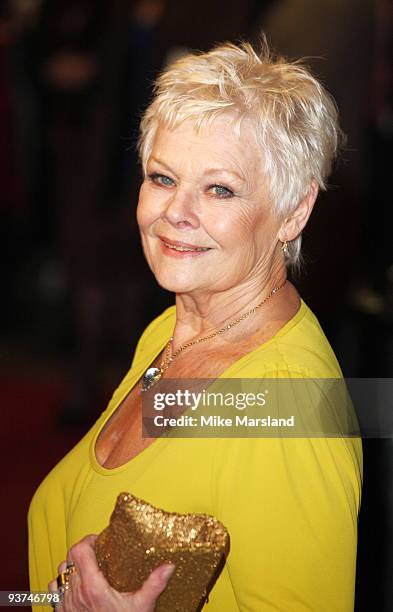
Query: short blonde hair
x=295, y=118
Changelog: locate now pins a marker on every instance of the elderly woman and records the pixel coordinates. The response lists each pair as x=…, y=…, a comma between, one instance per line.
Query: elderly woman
x=235, y=147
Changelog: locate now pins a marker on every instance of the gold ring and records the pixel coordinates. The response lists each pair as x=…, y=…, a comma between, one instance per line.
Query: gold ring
x=64, y=577
x=70, y=569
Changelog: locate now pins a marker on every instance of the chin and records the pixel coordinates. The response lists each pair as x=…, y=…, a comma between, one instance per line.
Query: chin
x=177, y=283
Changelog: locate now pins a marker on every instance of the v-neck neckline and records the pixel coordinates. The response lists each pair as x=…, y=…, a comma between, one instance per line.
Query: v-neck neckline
x=157, y=445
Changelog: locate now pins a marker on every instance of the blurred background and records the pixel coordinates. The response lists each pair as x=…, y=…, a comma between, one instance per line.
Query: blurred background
x=75, y=76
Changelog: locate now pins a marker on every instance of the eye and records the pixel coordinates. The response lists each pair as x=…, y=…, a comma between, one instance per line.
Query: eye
x=221, y=191
x=161, y=179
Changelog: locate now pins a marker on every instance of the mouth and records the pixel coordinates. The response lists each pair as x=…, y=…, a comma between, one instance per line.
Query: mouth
x=182, y=247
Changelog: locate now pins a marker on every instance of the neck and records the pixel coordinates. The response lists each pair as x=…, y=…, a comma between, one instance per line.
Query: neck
x=203, y=313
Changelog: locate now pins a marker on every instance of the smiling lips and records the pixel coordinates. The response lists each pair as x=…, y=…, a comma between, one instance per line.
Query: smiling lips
x=178, y=247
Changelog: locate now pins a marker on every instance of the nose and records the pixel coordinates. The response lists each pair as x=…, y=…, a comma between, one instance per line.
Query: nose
x=181, y=210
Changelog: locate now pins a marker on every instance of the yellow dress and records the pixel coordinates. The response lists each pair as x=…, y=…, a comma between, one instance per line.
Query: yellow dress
x=290, y=505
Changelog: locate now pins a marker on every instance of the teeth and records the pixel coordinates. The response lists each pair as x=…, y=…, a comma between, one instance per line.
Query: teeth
x=185, y=249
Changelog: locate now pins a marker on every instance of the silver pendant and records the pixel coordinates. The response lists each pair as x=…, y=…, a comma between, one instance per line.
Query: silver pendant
x=150, y=377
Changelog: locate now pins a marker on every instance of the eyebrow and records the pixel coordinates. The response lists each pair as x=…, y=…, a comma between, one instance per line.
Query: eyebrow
x=207, y=172
x=162, y=163
x=224, y=171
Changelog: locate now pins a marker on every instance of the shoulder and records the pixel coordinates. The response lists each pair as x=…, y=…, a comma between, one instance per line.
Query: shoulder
x=333, y=462
x=299, y=349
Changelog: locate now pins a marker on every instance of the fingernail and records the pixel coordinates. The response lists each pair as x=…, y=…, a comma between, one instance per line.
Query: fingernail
x=167, y=572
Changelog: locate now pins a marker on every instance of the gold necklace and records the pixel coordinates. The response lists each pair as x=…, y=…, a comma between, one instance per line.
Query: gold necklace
x=153, y=374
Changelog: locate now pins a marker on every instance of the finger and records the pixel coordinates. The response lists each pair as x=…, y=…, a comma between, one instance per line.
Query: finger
x=84, y=548
x=83, y=556
x=147, y=596
x=72, y=598
x=53, y=586
x=89, y=539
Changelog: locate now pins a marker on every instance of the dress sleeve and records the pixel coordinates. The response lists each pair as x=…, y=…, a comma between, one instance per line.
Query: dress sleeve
x=47, y=538
x=291, y=507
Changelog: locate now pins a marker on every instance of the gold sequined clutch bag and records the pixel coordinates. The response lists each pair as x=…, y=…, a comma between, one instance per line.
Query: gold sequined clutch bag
x=141, y=537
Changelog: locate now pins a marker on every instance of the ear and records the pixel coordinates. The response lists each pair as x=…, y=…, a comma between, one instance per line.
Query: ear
x=296, y=222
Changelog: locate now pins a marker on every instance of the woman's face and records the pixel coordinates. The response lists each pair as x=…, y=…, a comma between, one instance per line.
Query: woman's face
x=203, y=210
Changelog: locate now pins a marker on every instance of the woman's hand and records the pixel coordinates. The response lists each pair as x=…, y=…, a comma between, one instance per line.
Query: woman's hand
x=89, y=589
